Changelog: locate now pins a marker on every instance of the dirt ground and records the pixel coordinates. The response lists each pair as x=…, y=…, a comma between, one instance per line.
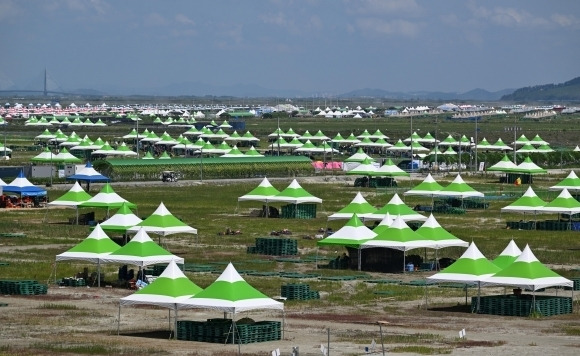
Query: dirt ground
x=70, y=318
x=89, y=316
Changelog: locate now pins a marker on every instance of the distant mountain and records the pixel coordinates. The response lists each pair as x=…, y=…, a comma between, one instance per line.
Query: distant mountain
x=568, y=91
x=203, y=89
x=475, y=94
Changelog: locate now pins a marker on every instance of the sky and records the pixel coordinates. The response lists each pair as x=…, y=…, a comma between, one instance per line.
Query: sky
x=321, y=47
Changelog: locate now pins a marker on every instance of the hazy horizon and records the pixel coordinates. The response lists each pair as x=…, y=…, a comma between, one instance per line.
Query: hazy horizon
x=316, y=47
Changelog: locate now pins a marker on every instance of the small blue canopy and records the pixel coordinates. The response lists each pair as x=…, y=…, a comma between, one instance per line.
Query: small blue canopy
x=89, y=174
x=22, y=186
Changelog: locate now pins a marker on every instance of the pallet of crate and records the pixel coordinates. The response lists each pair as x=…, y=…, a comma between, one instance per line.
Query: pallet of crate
x=298, y=292
x=22, y=287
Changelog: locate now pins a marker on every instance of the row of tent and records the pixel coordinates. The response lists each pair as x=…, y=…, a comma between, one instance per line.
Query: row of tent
x=512, y=267
x=172, y=289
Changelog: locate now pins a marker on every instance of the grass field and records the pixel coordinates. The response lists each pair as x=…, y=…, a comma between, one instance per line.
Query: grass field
x=212, y=207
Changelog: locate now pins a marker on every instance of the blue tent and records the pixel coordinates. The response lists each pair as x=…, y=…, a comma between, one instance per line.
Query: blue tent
x=88, y=174
x=22, y=186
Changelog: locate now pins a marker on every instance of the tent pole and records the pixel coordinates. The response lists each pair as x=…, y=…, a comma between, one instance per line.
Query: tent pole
x=478, y=294
x=359, y=258
x=175, y=325
x=284, y=319
x=119, y=319
x=169, y=319
x=98, y=273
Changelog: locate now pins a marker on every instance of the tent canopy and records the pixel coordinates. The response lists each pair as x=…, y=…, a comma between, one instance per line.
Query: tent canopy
x=232, y=294
x=22, y=186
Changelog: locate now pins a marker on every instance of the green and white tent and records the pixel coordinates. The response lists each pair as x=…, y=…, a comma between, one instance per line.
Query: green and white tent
x=122, y=220
x=522, y=140
x=399, y=146
x=448, y=141
x=359, y=156
x=92, y=249
x=253, y=152
x=263, y=192
x=234, y=152
x=529, y=202
x=65, y=157
x=107, y=199
x=167, y=290
x=527, y=148
x=505, y=165
x=571, y=182
x=538, y=141
x=527, y=272
x=471, y=268
x=163, y=223
x=413, y=138
x=364, y=134
x=75, y=196
x=508, y=255
x=230, y=293
x=358, y=206
x=141, y=251
x=396, y=207
x=441, y=238
x=564, y=203
x=46, y=156
x=458, y=188
x=500, y=145
x=398, y=236
x=352, y=234
x=428, y=187
x=428, y=138
x=295, y=194
x=351, y=139
x=365, y=168
x=389, y=169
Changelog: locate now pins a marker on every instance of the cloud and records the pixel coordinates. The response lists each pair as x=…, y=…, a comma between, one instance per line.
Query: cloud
x=155, y=19
x=377, y=7
x=507, y=16
x=384, y=27
x=9, y=10
x=181, y=18
x=564, y=20
x=286, y=22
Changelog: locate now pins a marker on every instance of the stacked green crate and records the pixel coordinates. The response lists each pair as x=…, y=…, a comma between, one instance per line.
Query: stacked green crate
x=298, y=292
x=22, y=287
x=274, y=246
x=298, y=211
x=511, y=305
x=220, y=331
